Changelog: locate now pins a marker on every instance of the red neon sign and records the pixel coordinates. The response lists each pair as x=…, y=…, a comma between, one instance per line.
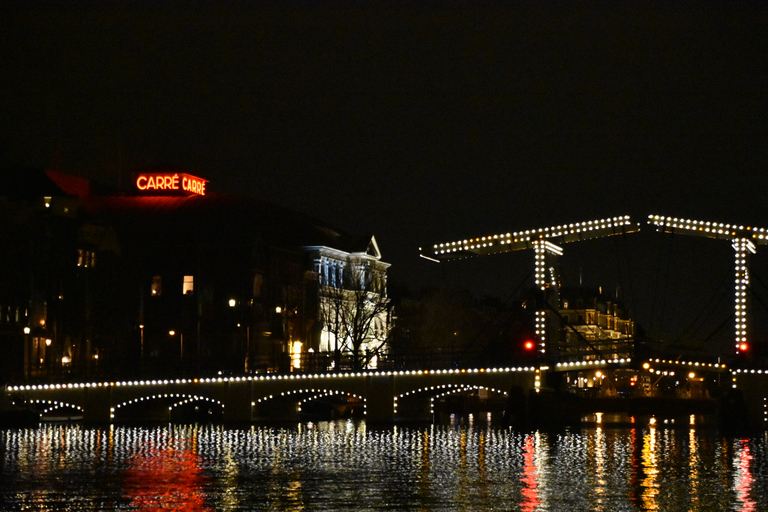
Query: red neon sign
x=175, y=182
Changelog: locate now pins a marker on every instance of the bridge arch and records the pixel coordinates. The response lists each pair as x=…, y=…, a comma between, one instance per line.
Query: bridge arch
x=415, y=403
x=167, y=403
x=291, y=403
x=55, y=405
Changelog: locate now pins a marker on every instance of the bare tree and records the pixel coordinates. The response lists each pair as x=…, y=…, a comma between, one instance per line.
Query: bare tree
x=331, y=312
x=356, y=311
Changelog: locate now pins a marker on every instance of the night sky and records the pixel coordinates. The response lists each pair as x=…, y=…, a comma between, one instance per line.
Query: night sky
x=421, y=124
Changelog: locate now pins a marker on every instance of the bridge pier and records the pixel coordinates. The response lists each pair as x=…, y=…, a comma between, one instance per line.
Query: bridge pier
x=380, y=392
x=238, y=402
x=96, y=404
x=748, y=404
x=279, y=410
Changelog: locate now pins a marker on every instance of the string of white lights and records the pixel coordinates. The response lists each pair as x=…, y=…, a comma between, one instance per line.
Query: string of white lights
x=485, y=242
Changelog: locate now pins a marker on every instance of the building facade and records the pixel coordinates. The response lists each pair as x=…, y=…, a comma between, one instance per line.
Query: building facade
x=594, y=327
x=167, y=278
x=355, y=312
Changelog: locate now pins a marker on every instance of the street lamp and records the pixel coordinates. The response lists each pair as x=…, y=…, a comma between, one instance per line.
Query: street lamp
x=27, y=352
x=141, y=328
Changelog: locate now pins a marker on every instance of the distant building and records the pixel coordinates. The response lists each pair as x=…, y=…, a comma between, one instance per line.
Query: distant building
x=593, y=327
x=166, y=279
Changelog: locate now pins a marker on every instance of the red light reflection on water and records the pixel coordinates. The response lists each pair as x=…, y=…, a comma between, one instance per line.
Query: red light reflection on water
x=744, y=478
x=529, y=477
x=166, y=479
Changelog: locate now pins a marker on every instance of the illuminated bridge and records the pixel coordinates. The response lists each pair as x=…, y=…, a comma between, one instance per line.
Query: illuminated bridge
x=577, y=357
x=519, y=394
x=382, y=396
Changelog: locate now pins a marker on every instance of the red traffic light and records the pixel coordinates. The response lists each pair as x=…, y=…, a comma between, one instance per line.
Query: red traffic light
x=529, y=345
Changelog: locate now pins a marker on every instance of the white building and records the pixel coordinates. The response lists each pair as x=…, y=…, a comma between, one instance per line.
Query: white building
x=354, y=308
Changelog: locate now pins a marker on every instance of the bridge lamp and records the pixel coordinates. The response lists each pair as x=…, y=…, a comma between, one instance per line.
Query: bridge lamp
x=232, y=303
x=27, y=330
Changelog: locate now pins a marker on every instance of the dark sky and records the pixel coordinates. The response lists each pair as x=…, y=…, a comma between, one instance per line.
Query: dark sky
x=417, y=124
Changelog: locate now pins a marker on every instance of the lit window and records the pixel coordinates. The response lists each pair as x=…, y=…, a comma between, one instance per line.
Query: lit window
x=157, y=286
x=296, y=354
x=189, y=285
x=86, y=258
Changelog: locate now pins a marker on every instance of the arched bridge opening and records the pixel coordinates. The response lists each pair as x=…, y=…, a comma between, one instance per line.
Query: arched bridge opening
x=309, y=404
x=54, y=410
x=445, y=401
x=168, y=407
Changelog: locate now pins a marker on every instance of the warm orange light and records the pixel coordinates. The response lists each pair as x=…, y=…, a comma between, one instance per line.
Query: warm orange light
x=529, y=345
x=743, y=347
x=171, y=182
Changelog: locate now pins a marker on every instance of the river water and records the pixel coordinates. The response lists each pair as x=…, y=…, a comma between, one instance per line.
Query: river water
x=346, y=465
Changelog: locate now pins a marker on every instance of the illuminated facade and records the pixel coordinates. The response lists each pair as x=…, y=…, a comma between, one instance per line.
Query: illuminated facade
x=593, y=328
x=166, y=278
x=354, y=308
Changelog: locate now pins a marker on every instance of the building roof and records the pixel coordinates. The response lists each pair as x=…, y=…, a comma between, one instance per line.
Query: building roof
x=220, y=219
x=213, y=219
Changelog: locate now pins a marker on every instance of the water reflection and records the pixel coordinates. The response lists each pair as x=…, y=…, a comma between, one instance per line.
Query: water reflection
x=650, y=482
x=173, y=466
x=530, y=491
x=743, y=478
x=346, y=465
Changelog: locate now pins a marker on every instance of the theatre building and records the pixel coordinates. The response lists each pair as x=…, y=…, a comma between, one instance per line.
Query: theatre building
x=171, y=278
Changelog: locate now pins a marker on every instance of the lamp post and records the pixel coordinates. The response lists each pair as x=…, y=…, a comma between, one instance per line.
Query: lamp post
x=141, y=329
x=27, y=350
x=181, y=342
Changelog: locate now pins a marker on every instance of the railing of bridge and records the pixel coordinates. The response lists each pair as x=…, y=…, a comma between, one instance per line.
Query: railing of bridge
x=258, y=377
